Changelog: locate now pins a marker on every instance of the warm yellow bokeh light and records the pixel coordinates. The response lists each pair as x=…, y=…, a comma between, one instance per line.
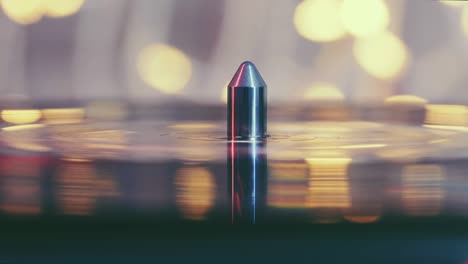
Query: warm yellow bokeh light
x=382, y=55
x=23, y=11
x=23, y=116
x=319, y=20
x=62, y=8
x=405, y=100
x=164, y=67
x=31, y=11
x=323, y=92
x=364, y=17
x=196, y=194
x=464, y=20
x=454, y=3
x=328, y=182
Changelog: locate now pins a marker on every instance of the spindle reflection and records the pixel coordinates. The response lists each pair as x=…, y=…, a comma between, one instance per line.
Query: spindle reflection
x=247, y=169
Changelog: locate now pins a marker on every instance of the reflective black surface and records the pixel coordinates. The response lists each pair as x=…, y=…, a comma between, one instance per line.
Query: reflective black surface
x=330, y=173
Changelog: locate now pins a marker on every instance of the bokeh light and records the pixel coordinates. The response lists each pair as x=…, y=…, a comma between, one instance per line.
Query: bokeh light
x=365, y=17
x=164, y=67
x=382, y=55
x=328, y=182
x=21, y=116
x=323, y=92
x=31, y=11
x=23, y=11
x=61, y=8
x=195, y=192
x=319, y=20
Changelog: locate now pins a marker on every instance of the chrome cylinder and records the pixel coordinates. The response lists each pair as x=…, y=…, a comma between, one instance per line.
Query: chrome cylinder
x=247, y=104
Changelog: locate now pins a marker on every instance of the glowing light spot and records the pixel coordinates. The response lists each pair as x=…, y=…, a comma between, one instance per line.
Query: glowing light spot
x=382, y=55
x=164, y=67
x=405, y=100
x=21, y=116
x=324, y=92
x=23, y=11
x=464, y=20
x=364, y=17
x=319, y=20
x=62, y=8
x=195, y=192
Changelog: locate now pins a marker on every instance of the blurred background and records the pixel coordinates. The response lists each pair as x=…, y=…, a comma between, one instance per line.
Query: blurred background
x=369, y=115
x=157, y=50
